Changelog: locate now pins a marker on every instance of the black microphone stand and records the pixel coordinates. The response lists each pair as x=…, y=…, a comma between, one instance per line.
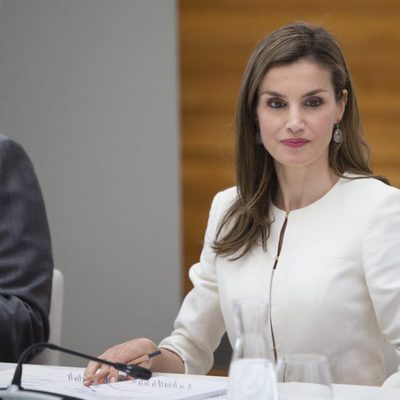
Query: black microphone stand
x=16, y=391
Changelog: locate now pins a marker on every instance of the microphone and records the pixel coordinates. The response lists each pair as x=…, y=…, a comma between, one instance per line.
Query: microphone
x=16, y=392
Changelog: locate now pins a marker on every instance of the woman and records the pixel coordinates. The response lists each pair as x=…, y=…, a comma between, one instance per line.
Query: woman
x=308, y=226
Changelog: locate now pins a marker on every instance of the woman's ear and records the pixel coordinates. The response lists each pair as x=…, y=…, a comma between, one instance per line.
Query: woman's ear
x=342, y=104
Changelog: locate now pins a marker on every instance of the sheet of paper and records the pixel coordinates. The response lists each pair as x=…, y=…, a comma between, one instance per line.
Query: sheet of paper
x=67, y=380
x=37, y=375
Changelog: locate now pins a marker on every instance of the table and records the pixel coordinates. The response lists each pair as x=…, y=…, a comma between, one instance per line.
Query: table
x=55, y=374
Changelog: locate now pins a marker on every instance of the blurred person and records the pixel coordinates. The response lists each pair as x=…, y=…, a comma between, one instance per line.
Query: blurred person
x=26, y=263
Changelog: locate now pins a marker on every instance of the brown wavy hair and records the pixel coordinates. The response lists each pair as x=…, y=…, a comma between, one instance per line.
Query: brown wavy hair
x=247, y=221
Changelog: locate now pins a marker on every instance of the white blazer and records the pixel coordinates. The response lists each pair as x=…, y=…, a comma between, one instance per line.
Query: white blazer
x=335, y=291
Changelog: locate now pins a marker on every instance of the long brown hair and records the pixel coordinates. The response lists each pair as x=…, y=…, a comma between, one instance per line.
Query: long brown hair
x=247, y=221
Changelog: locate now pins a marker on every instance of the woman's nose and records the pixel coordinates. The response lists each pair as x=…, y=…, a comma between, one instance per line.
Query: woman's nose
x=295, y=122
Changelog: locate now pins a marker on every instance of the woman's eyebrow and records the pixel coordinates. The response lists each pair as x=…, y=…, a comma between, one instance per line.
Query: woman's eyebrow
x=314, y=92
x=310, y=93
x=273, y=93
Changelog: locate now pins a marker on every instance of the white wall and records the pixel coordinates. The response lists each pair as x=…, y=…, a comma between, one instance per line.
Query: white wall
x=89, y=88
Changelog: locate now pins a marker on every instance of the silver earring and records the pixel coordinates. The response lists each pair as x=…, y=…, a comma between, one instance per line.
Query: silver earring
x=337, y=135
x=258, y=138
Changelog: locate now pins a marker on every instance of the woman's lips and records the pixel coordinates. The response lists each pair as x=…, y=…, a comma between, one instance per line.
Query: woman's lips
x=294, y=142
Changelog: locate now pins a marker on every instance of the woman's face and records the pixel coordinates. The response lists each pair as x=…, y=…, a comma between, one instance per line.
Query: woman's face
x=297, y=111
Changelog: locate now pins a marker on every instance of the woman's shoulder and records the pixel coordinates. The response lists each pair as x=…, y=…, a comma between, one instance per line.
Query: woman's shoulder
x=223, y=200
x=226, y=196
x=369, y=189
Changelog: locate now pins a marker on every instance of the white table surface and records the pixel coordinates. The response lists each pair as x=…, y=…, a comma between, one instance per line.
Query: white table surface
x=341, y=392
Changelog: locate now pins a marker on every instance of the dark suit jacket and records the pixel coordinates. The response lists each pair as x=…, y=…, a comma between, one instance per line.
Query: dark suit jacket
x=26, y=264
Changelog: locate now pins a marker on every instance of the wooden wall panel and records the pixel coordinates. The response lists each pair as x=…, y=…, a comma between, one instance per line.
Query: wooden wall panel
x=216, y=39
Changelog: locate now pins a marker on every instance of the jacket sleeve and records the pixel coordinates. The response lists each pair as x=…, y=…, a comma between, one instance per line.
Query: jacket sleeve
x=199, y=325
x=26, y=264
x=381, y=260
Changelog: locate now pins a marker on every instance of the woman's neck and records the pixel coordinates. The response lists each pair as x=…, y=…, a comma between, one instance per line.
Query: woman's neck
x=298, y=188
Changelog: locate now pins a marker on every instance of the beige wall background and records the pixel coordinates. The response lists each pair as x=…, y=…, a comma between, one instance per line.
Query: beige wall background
x=216, y=39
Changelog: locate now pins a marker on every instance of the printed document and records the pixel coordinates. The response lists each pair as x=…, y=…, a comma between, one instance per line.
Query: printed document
x=69, y=381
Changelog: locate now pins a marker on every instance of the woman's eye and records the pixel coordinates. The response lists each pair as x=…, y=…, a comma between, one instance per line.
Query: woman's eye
x=275, y=103
x=314, y=102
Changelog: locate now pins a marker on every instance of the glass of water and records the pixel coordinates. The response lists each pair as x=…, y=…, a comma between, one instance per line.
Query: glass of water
x=252, y=373
x=252, y=379
x=304, y=377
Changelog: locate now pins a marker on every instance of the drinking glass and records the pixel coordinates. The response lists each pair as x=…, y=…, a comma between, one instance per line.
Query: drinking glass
x=251, y=373
x=304, y=377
